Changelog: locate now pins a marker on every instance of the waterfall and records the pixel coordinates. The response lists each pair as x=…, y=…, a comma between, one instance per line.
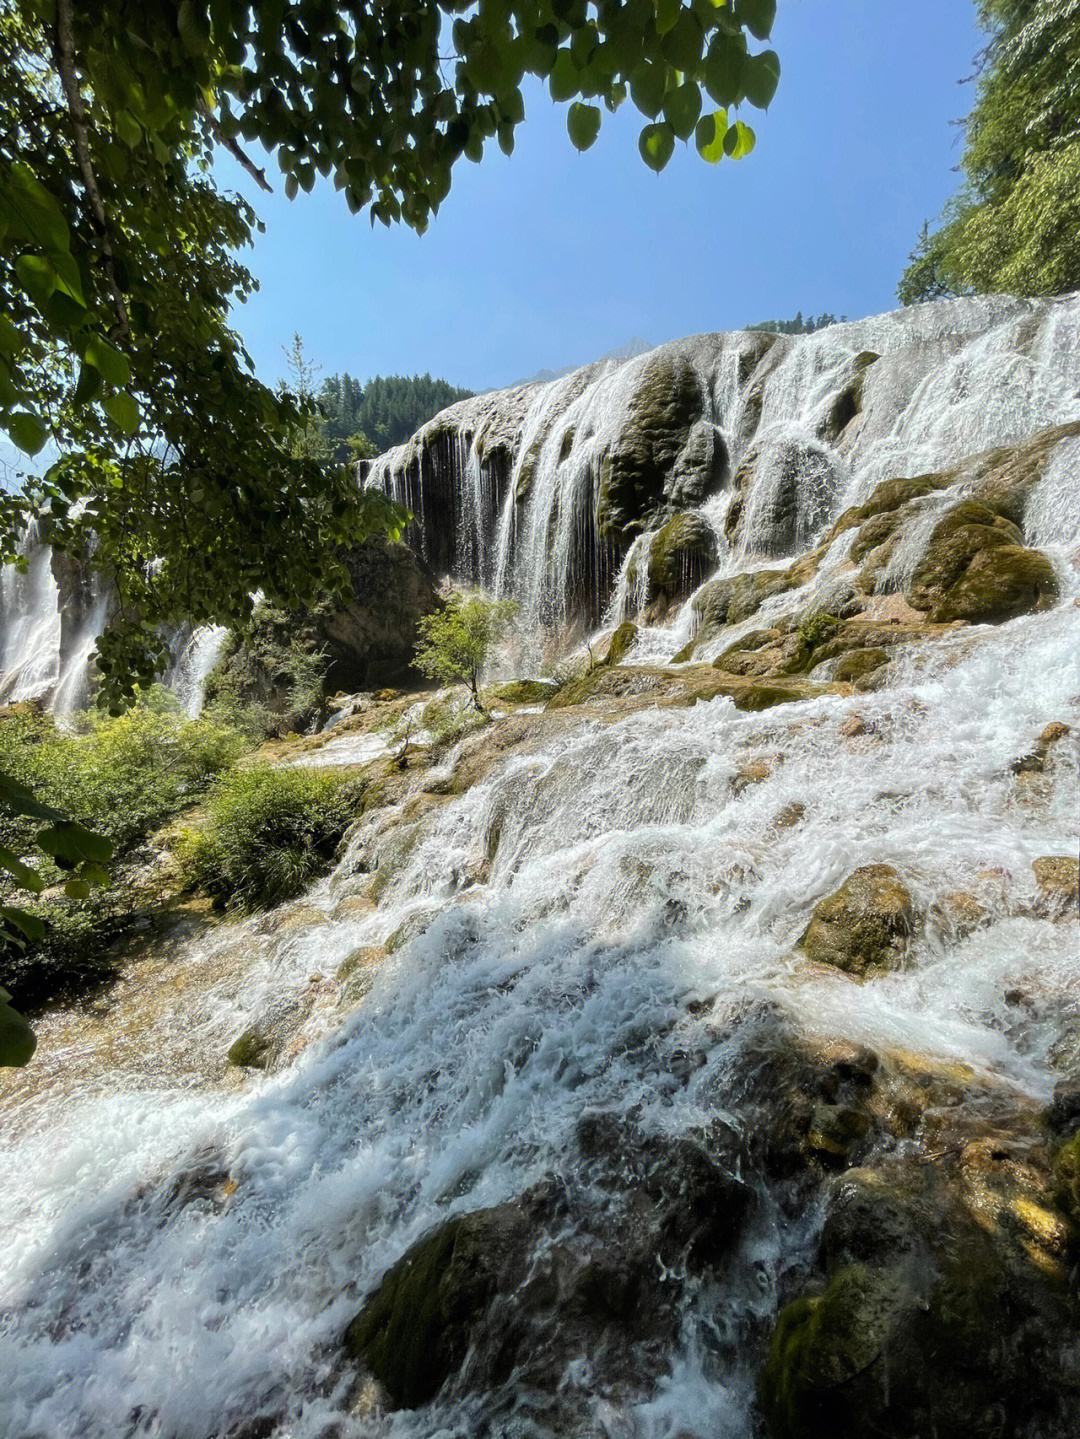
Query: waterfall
x=555, y=982
x=29, y=623
x=808, y=424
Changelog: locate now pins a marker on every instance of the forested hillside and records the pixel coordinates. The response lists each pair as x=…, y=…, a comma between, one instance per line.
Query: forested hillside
x=387, y=410
x=1014, y=226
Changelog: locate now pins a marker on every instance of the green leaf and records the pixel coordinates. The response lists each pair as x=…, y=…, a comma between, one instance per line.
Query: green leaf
x=739, y=140
x=26, y=877
x=19, y=800
x=89, y=386
x=667, y=15
x=583, y=125
x=682, y=108
x=761, y=75
x=11, y=341
x=709, y=136
x=77, y=889
x=757, y=15
x=723, y=69
x=35, y=213
x=565, y=79
x=94, y=874
x=17, y=1039
x=123, y=411
x=27, y=432
x=112, y=365
x=648, y=85
x=656, y=144
x=194, y=28
x=682, y=45
x=31, y=925
x=73, y=844
x=128, y=128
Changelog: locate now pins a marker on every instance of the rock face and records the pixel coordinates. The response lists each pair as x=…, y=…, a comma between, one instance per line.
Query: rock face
x=368, y=642
x=656, y=448
x=681, y=557
x=863, y=927
x=371, y=639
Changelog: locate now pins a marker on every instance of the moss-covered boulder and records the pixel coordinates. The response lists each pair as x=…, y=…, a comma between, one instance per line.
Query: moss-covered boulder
x=863, y=927
x=681, y=556
x=856, y=665
x=521, y=692
x=977, y=568
x=668, y=401
x=621, y=643
x=252, y=1050
x=415, y=1330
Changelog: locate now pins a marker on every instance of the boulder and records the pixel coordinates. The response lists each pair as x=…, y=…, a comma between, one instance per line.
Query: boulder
x=1058, y=880
x=681, y=556
x=977, y=568
x=864, y=926
x=701, y=467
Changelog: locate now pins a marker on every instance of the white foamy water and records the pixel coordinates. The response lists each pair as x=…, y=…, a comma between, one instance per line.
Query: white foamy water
x=565, y=911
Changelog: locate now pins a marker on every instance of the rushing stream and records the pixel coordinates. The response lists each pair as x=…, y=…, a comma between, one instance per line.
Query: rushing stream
x=604, y=923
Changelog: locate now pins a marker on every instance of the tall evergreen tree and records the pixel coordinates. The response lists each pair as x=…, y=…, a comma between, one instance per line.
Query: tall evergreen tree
x=1015, y=225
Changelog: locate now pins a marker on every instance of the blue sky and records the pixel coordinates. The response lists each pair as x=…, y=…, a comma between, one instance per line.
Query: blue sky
x=551, y=258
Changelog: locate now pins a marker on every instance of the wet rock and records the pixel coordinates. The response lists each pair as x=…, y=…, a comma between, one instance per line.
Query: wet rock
x=942, y=1310
x=701, y=467
x=857, y=664
x=1035, y=761
x=791, y=815
x=521, y=692
x=621, y=643
x=959, y=913
x=527, y=1286
x=666, y=405
x=682, y=554
x=251, y=1050
x=864, y=927
x=1058, y=880
x=976, y=568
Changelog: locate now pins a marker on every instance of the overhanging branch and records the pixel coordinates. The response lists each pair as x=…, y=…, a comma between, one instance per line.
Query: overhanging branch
x=65, y=61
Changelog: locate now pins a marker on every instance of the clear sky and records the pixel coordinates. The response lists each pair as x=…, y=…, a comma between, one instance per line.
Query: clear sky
x=551, y=258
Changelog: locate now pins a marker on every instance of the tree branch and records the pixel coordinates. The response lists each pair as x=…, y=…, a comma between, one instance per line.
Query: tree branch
x=259, y=176
x=65, y=61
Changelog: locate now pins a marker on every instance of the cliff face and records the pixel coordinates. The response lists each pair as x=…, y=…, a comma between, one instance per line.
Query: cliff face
x=551, y=493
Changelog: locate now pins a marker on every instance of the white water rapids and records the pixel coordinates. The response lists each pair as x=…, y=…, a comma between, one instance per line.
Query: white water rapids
x=185, y=1247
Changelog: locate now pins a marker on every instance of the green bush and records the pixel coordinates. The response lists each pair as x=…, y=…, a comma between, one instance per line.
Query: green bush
x=266, y=834
x=123, y=777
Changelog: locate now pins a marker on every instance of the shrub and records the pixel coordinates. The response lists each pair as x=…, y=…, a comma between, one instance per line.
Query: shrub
x=266, y=834
x=122, y=776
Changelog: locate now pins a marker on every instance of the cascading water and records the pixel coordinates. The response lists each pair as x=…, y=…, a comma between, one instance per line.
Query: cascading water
x=900, y=394
x=542, y=980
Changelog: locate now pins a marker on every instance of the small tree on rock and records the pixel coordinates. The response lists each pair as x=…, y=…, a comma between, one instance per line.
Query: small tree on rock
x=456, y=641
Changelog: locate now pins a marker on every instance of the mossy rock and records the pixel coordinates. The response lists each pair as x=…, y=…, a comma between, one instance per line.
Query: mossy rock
x=886, y=499
x=864, y=926
x=414, y=1331
x=621, y=643
x=682, y=553
x=820, y=1345
x=976, y=568
x=857, y=664
x=734, y=598
x=701, y=467
x=251, y=1050
x=1058, y=880
x=633, y=475
x=1067, y=1180
x=521, y=692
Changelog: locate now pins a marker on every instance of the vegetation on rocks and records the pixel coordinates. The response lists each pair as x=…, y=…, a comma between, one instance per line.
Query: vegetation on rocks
x=457, y=640
x=265, y=834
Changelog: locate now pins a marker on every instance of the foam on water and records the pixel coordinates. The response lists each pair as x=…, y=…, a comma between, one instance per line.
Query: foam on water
x=626, y=876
